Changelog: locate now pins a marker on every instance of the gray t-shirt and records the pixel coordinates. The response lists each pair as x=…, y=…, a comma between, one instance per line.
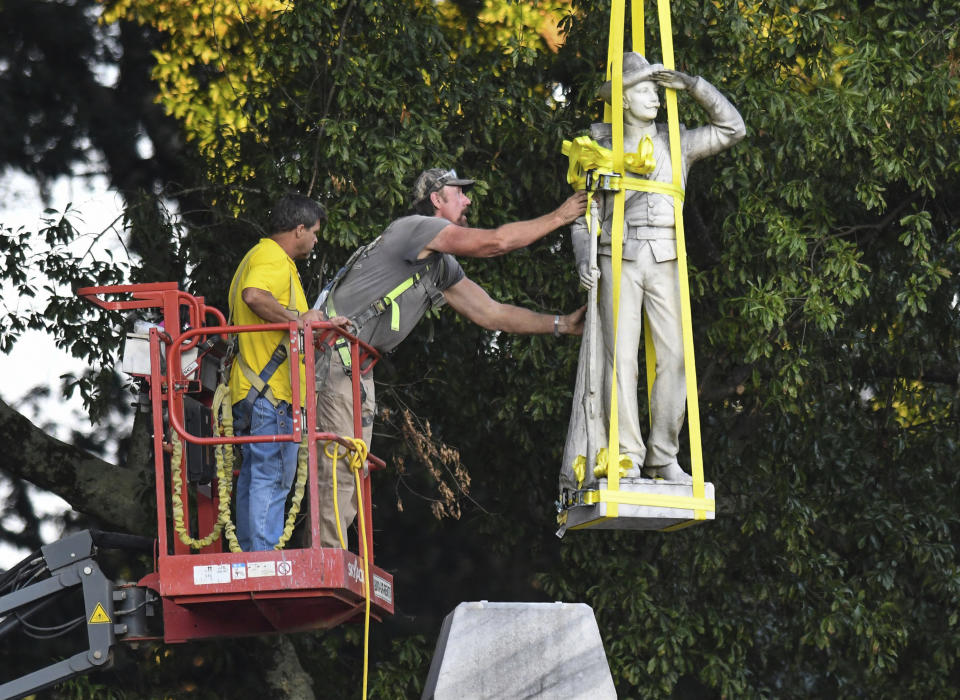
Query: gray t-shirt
x=386, y=265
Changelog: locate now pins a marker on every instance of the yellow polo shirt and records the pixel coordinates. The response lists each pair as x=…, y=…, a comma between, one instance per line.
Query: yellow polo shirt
x=265, y=267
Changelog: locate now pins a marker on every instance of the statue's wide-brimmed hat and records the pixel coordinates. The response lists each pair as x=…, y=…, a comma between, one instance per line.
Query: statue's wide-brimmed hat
x=635, y=69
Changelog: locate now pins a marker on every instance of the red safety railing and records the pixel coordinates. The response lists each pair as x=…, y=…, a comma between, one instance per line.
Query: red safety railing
x=171, y=378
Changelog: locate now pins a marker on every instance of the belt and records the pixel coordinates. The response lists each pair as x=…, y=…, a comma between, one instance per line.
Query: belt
x=651, y=233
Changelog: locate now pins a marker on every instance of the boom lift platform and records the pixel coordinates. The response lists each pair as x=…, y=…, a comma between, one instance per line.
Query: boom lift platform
x=198, y=589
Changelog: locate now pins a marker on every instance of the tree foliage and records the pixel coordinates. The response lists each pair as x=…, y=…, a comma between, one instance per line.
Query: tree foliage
x=822, y=249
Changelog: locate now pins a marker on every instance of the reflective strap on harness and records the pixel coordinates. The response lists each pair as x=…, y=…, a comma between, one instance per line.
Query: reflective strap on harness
x=341, y=345
x=389, y=300
x=343, y=348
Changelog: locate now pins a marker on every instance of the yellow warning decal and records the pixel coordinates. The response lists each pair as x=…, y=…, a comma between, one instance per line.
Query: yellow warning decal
x=99, y=615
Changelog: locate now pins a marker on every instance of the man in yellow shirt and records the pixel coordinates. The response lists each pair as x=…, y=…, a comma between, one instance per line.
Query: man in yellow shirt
x=266, y=289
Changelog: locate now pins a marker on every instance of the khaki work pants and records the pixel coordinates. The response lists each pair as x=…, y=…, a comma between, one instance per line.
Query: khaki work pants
x=335, y=415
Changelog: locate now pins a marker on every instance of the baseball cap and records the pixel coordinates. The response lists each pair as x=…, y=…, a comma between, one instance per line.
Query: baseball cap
x=435, y=179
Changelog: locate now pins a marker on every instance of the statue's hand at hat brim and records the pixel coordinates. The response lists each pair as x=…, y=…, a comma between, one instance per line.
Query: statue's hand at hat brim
x=674, y=79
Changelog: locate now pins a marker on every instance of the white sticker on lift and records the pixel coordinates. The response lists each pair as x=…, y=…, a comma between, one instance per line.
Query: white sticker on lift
x=239, y=571
x=284, y=568
x=258, y=569
x=383, y=589
x=214, y=573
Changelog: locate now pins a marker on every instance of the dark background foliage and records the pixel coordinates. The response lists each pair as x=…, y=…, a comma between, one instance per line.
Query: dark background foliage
x=823, y=254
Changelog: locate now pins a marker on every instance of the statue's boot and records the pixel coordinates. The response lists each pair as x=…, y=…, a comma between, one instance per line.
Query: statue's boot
x=669, y=472
x=635, y=471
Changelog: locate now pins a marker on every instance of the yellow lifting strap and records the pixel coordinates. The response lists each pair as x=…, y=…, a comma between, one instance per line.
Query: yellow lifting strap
x=588, y=157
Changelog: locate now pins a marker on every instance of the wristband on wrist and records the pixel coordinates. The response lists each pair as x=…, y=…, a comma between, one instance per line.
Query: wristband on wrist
x=556, y=326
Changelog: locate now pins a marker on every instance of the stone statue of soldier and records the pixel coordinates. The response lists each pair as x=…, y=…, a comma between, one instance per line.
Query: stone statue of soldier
x=649, y=280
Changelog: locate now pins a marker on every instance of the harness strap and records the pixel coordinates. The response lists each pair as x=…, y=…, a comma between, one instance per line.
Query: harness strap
x=343, y=349
x=258, y=383
x=331, y=285
x=433, y=291
x=388, y=301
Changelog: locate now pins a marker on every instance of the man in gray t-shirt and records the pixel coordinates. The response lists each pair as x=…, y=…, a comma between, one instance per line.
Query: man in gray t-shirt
x=386, y=265
x=394, y=281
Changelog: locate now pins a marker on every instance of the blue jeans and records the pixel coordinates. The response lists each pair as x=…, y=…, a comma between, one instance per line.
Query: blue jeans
x=266, y=475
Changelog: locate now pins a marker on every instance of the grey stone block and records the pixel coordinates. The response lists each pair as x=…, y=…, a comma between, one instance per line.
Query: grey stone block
x=519, y=650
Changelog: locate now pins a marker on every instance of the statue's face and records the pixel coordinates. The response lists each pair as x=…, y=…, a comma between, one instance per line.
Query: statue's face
x=642, y=100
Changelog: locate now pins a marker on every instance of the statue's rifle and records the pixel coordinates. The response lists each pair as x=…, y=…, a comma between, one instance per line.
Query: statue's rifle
x=593, y=381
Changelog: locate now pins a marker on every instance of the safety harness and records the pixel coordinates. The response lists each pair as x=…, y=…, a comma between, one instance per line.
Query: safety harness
x=390, y=300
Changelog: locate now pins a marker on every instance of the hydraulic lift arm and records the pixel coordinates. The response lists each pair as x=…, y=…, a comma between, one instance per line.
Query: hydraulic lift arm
x=111, y=613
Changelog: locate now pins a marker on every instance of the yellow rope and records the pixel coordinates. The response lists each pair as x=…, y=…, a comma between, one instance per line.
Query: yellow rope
x=223, y=410
x=224, y=461
x=178, y=522
x=359, y=453
x=366, y=577
x=177, y=501
x=358, y=458
x=334, y=457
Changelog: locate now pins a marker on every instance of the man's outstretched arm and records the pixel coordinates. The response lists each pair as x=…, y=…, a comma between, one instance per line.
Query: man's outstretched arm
x=266, y=306
x=469, y=300
x=487, y=243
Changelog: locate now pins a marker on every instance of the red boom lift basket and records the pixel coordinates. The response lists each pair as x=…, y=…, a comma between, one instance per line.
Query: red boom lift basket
x=211, y=592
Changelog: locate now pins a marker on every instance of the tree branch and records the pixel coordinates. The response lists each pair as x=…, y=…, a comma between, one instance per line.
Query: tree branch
x=89, y=484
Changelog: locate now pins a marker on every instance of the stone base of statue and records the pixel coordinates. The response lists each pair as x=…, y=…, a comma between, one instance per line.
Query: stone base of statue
x=660, y=514
x=549, y=651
